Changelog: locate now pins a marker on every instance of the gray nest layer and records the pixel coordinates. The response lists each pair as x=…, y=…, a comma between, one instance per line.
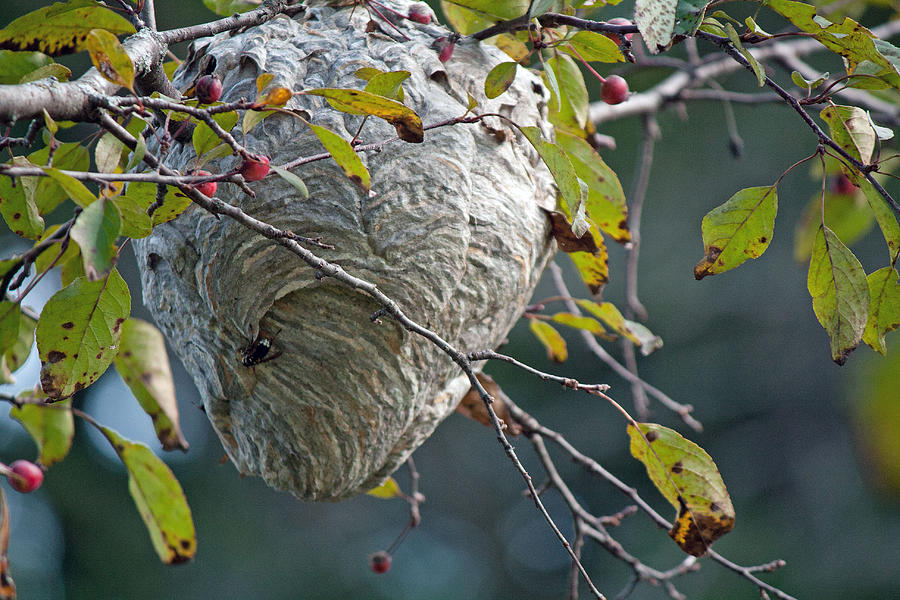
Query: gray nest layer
x=452, y=231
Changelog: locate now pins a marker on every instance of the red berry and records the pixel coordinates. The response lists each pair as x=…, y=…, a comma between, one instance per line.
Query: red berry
x=614, y=90
x=208, y=89
x=446, y=48
x=207, y=188
x=420, y=13
x=380, y=562
x=255, y=167
x=613, y=36
x=844, y=186
x=26, y=477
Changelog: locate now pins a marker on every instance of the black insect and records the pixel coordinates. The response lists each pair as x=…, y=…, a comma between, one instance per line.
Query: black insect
x=259, y=351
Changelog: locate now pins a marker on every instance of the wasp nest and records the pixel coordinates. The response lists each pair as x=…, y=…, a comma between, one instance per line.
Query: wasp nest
x=452, y=231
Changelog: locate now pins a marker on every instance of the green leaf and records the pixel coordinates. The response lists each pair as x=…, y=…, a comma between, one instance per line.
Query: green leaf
x=404, y=119
x=205, y=139
x=848, y=38
x=159, y=498
x=108, y=153
x=500, y=78
x=840, y=294
x=688, y=478
x=550, y=338
x=136, y=223
x=539, y=7
x=144, y=365
x=14, y=356
x=578, y=322
x=592, y=47
x=226, y=8
x=95, y=231
x=78, y=333
x=62, y=28
x=110, y=58
x=655, y=20
x=387, y=490
x=884, y=312
x=292, y=179
x=75, y=190
x=609, y=314
x=737, y=230
x=560, y=168
x=884, y=216
x=505, y=9
x=10, y=314
x=344, y=155
x=50, y=426
x=49, y=254
x=800, y=81
x=463, y=20
x=144, y=193
x=605, y=199
x=573, y=95
x=56, y=70
x=389, y=84
x=16, y=65
x=19, y=210
x=688, y=16
x=46, y=193
x=252, y=118
x=852, y=130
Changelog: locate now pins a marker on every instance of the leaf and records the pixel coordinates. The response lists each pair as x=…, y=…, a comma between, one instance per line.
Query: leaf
x=848, y=38
x=278, y=96
x=62, y=28
x=95, y=231
x=159, y=498
x=404, y=119
x=16, y=65
x=737, y=230
x=51, y=426
x=136, y=222
x=344, y=155
x=204, y=138
x=252, y=118
x=55, y=70
x=884, y=216
x=605, y=199
x=592, y=47
x=292, y=179
x=560, y=168
x=74, y=189
x=10, y=314
x=15, y=355
x=389, y=84
x=173, y=204
x=110, y=58
x=884, y=312
x=573, y=95
x=500, y=78
x=688, y=478
x=509, y=9
x=579, y=322
x=472, y=406
x=566, y=239
x=550, y=338
x=847, y=215
x=609, y=314
x=108, y=153
x=840, y=294
x=144, y=366
x=387, y=490
x=800, y=81
x=655, y=19
x=78, y=333
x=226, y=8
x=648, y=341
x=19, y=210
x=46, y=193
x=688, y=16
x=852, y=130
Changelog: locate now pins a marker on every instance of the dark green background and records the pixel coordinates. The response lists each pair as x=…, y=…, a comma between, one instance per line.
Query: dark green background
x=744, y=348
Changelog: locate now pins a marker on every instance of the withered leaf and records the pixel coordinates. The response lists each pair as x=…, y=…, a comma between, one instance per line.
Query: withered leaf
x=565, y=237
x=473, y=407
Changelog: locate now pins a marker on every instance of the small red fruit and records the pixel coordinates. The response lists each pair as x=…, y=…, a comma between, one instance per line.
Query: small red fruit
x=445, y=47
x=255, y=167
x=208, y=89
x=26, y=477
x=380, y=562
x=614, y=90
x=420, y=13
x=207, y=188
x=613, y=36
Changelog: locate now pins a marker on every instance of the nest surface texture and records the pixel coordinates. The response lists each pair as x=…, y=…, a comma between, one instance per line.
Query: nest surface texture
x=452, y=231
